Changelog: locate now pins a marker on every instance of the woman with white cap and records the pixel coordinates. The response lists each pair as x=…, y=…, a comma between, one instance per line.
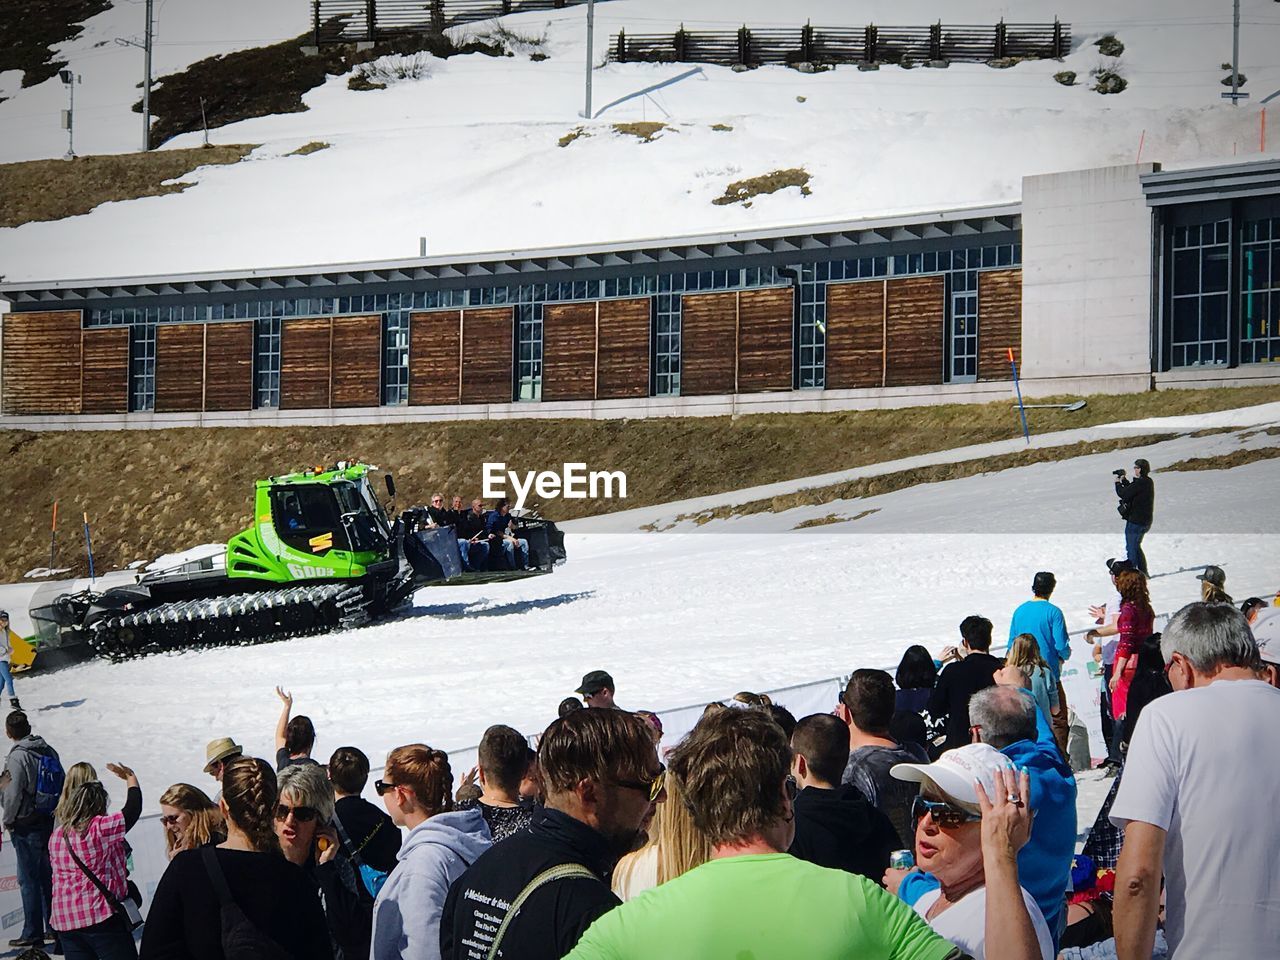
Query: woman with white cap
x=971, y=818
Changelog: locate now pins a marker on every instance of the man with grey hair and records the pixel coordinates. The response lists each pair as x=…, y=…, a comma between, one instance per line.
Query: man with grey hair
x=1005, y=717
x=1194, y=801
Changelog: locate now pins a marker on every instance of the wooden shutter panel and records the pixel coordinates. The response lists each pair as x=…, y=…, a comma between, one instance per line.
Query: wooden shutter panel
x=488, y=366
x=855, y=335
x=623, y=365
x=357, y=362
x=179, y=367
x=765, y=327
x=708, y=343
x=304, y=363
x=435, y=357
x=228, y=366
x=999, y=322
x=42, y=351
x=916, y=322
x=105, y=371
x=569, y=351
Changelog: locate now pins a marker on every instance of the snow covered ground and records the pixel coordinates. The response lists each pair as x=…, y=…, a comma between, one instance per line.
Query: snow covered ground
x=680, y=618
x=469, y=158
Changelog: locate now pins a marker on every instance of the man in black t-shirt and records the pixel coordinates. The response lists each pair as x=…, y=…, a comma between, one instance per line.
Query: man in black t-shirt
x=503, y=761
x=974, y=670
x=373, y=838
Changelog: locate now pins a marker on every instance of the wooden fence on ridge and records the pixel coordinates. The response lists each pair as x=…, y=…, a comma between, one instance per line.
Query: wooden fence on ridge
x=347, y=21
x=831, y=45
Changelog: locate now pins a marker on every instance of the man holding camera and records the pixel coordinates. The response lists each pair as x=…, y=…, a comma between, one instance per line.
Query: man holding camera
x=1137, y=503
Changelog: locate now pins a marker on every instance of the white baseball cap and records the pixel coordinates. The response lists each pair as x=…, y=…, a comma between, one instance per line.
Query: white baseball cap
x=955, y=771
x=1266, y=631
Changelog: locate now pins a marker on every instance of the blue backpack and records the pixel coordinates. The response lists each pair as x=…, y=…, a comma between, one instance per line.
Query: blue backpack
x=49, y=780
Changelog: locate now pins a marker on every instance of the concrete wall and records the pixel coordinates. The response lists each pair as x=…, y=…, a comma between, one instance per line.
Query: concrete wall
x=792, y=401
x=1087, y=275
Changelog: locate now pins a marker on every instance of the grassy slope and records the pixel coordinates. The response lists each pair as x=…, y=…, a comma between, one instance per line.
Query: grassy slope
x=262, y=81
x=38, y=190
x=149, y=492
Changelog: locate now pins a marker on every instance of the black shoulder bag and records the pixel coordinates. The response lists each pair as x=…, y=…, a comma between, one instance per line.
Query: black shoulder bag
x=241, y=938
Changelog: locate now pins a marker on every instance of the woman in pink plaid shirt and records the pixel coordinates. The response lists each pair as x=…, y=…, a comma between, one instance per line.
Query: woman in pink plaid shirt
x=87, y=921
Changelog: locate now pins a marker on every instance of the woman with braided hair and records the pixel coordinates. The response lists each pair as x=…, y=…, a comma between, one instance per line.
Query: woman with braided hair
x=417, y=788
x=87, y=853
x=269, y=900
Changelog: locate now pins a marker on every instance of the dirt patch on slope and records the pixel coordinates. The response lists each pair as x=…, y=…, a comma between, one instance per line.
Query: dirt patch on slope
x=152, y=492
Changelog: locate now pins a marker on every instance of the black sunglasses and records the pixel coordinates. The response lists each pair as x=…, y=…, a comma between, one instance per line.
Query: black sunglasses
x=300, y=814
x=791, y=787
x=652, y=787
x=944, y=814
x=381, y=787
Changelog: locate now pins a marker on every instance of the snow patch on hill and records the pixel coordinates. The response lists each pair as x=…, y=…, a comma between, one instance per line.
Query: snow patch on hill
x=469, y=156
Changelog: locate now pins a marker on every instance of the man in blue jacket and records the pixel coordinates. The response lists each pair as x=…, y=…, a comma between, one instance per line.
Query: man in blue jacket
x=1044, y=621
x=1005, y=718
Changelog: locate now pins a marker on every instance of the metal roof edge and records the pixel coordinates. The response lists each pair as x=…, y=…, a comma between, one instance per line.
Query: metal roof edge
x=981, y=212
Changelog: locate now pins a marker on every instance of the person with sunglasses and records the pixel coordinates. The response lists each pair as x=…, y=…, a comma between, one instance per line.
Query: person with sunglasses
x=271, y=905
x=304, y=824
x=417, y=789
x=602, y=783
x=957, y=792
x=190, y=820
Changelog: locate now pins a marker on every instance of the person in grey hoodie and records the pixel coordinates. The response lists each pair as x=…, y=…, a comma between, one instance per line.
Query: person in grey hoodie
x=28, y=826
x=416, y=788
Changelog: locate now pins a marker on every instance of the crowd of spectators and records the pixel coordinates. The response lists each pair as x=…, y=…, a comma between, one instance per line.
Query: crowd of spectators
x=934, y=818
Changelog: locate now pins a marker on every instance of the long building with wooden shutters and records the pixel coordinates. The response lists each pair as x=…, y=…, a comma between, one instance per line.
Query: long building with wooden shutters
x=894, y=311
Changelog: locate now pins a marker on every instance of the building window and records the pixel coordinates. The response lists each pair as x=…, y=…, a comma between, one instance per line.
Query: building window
x=142, y=366
x=1201, y=274
x=1260, y=291
x=395, y=355
x=266, y=362
x=962, y=301
x=529, y=350
x=666, y=336
x=812, y=339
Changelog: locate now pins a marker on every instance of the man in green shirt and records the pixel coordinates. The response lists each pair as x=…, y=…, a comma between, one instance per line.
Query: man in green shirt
x=752, y=899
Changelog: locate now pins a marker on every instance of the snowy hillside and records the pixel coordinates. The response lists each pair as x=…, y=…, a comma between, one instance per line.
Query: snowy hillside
x=469, y=156
x=111, y=74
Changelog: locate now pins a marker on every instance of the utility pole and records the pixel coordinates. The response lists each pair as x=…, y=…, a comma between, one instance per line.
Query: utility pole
x=591, y=23
x=146, y=79
x=1235, y=54
x=69, y=118
x=146, y=83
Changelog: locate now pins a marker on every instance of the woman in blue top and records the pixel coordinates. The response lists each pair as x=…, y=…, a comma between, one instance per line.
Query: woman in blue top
x=1024, y=652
